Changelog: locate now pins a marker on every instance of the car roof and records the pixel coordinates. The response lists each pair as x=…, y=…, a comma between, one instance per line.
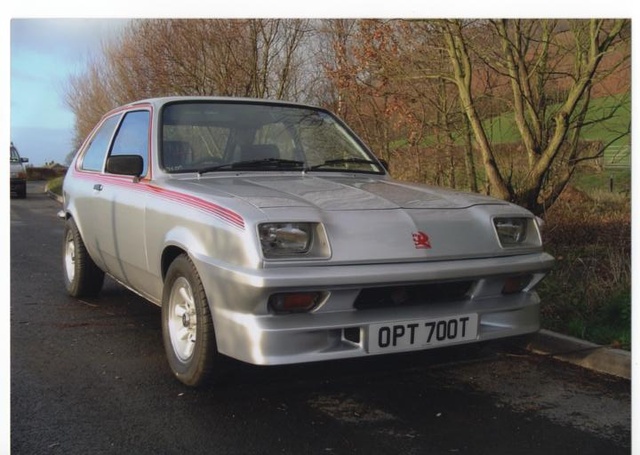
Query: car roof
x=160, y=101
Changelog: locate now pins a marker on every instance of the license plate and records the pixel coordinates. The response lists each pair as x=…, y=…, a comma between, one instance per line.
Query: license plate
x=421, y=334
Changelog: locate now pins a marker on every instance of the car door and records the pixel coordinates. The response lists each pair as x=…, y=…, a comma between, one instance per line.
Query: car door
x=127, y=198
x=92, y=210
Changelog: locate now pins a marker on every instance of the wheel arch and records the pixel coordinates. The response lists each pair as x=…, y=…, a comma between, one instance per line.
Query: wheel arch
x=169, y=254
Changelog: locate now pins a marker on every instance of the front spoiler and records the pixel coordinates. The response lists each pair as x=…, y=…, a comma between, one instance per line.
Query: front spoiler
x=247, y=331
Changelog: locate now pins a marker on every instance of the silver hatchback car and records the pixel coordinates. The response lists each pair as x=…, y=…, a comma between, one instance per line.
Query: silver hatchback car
x=269, y=233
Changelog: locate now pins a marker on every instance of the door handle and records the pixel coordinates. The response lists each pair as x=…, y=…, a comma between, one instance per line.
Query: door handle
x=97, y=187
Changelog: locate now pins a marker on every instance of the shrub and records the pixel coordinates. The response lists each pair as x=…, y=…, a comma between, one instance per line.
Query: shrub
x=588, y=293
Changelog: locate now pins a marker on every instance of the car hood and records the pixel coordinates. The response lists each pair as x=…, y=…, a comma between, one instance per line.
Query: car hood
x=368, y=219
x=335, y=193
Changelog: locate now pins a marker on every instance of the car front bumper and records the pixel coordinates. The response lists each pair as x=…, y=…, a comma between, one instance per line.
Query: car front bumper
x=247, y=331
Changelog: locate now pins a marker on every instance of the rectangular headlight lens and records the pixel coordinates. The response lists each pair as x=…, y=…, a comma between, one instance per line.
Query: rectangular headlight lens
x=285, y=239
x=511, y=231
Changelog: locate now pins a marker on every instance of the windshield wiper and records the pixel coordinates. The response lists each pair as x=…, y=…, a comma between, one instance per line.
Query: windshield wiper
x=330, y=163
x=276, y=163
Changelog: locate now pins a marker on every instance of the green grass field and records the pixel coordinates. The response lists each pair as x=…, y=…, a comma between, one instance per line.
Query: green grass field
x=607, y=118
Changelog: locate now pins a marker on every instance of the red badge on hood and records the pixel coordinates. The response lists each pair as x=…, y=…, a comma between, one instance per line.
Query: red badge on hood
x=421, y=240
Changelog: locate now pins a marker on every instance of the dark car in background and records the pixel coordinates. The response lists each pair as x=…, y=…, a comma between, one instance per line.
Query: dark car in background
x=18, y=173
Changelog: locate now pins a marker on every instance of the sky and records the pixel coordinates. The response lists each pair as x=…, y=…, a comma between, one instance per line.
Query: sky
x=45, y=53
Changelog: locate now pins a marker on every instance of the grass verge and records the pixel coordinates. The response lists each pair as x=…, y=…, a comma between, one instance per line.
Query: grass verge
x=588, y=294
x=55, y=185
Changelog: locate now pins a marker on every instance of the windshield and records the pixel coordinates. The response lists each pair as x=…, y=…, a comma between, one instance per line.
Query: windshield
x=218, y=136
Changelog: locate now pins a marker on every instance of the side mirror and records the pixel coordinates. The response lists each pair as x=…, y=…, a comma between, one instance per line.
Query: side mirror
x=385, y=164
x=125, y=165
x=24, y=160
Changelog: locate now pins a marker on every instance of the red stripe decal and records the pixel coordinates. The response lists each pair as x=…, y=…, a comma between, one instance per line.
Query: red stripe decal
x=216, y=210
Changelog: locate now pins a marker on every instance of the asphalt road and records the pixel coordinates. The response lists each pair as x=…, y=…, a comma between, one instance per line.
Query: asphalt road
x=90, y=376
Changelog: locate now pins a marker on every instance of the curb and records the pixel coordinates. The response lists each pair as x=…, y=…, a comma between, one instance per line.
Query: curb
x=53, y=196
x=615, y=362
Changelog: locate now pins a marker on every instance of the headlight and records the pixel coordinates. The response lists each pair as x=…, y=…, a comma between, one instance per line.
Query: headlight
x=511, y=231
x=285, y=239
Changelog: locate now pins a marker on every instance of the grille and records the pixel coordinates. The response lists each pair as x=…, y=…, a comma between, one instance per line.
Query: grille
x=420, y=294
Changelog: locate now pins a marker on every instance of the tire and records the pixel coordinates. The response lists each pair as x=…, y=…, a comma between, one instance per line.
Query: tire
x=22, y=192
x=187, y=325
x=82, y=277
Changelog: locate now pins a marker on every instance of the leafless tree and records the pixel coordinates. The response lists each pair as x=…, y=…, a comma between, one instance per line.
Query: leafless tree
x=536, y=57
x=259, y=58
x=423, y=93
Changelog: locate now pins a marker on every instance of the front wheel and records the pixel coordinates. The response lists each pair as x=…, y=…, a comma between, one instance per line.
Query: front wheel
x=187, y=326
x=82, y=277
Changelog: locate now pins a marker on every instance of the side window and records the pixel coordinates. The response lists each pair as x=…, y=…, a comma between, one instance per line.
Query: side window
x=93, y=158
x=132, y=137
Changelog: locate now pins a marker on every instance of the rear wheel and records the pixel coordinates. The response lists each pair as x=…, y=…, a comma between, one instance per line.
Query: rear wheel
x=187, y=326
x=82, y=277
